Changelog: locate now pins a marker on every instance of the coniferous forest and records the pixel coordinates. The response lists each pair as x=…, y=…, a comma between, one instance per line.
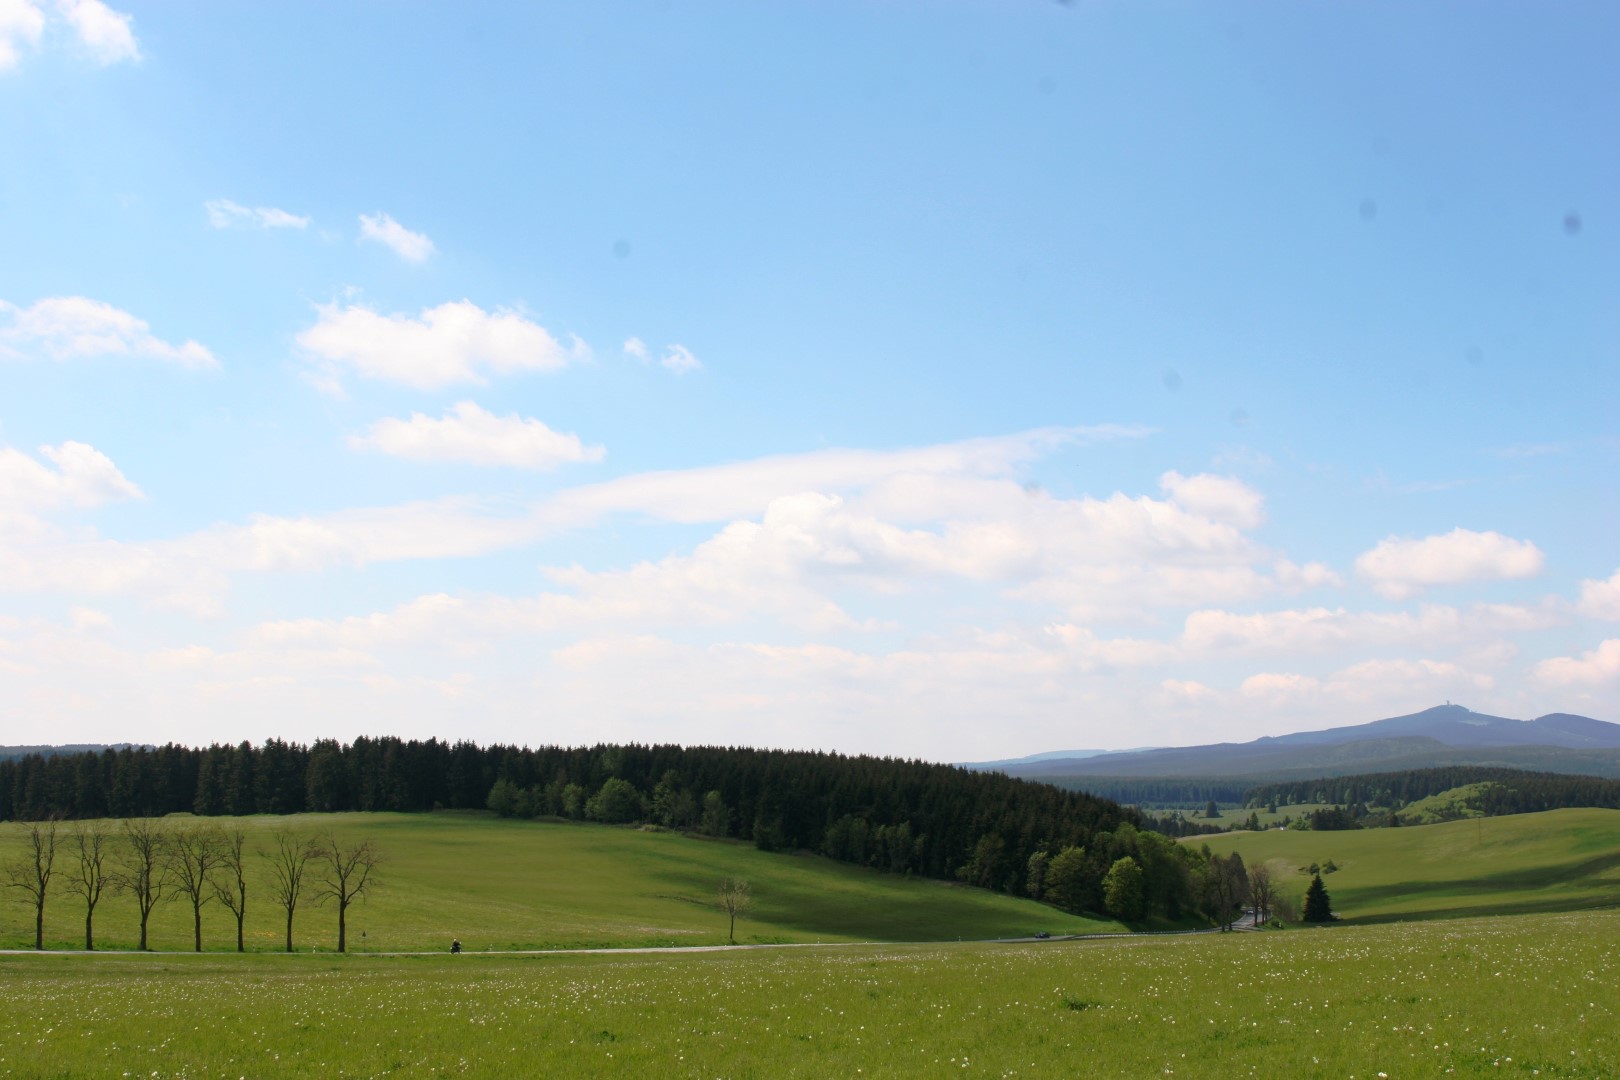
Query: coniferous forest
x=908, y=817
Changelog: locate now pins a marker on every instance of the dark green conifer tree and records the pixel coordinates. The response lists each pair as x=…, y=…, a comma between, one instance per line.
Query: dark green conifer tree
x=1318, y=908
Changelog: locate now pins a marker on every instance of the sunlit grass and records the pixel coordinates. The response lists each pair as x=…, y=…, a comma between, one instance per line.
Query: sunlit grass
x=1555, y=861
x=1516, y=996
x=505, y=884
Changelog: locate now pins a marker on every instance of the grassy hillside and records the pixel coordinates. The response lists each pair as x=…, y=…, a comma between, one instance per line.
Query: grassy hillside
x=519, y=884
x=1560, y=860
x=1522, y=997
x=1448, y=805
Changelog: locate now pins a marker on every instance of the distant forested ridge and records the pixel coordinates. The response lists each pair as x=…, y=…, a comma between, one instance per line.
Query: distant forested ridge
x=1177, y=792
x=1503, y=791
x=48, y=751
x=938, y=821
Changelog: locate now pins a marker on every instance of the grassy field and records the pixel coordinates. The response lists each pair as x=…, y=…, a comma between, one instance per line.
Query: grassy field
x=1560, y=860
x=507, y=884
x=1235, y=817
x=1512, y=996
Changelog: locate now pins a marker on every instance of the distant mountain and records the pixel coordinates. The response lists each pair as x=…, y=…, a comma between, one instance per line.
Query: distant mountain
x=48, y=751
x=1050, y=755
x=1454, y=725
x=1443, y=735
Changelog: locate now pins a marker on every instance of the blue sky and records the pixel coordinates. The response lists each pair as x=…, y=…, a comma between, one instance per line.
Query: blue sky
x=952, y=380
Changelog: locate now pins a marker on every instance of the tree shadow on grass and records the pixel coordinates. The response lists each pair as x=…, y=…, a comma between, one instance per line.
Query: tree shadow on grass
x=1521, y=881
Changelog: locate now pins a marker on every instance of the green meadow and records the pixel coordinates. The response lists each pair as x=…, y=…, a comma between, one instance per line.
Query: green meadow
x=1236, y=817
x=1560, y=860
x=1510, y=996
x=507, y=884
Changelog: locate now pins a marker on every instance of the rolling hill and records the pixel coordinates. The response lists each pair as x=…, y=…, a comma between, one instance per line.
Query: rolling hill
x=508, y=884
x=1444, y=735
x=1560, y=860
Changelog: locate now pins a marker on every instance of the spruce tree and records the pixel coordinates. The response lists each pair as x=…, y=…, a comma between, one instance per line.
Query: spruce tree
x=1318, y=908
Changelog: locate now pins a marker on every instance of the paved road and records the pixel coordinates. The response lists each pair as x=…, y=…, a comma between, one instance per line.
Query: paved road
x=633, y=951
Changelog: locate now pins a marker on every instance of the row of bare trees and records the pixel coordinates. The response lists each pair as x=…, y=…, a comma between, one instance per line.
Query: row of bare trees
x=155, y=863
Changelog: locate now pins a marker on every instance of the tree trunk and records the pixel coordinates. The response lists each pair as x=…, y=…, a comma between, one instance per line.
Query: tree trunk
x=342, y=939
x=289, y=930
x=196, y=927
x=239, y=934
x=144, y=916
x=39, y=927
x=89, y=933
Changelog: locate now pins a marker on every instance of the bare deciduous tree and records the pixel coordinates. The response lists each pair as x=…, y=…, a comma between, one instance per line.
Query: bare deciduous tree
x=287, y=864
x=194, y=855
x=140, y=871
x=345, y=876
x=232, y=890
x=735, y=899
x=30, y=874
x=93, y=876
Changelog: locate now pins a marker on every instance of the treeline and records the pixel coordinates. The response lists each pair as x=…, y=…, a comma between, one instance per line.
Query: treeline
x=913, y=817
x=1508, y=791
x=1176, y=823
x=1165, y=792
x=154, y=861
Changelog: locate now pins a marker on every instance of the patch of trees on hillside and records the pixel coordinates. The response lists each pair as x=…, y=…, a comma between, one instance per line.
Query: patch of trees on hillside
x=906, y=817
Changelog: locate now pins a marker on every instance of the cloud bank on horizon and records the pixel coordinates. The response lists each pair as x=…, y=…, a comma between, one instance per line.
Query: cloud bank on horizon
x=946, y=412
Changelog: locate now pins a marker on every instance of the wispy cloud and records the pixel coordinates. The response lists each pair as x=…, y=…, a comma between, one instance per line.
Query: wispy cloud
x=472, y=435
x=225, y=214
x=676, y=358
x=77, y=475
x=413, y=247
x=66, y=327
x=679, y=359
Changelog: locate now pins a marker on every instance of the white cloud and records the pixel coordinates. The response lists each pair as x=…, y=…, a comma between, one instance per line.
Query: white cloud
x=1219, y=498
x=83, y=476
x=1599, y=665
x=679, y=359
x=192, y=572
x=1279, y=685
x=105, y=32
x=413, y=247
x=1319, y=629
x=1090, y=651
x=1187, y=691
x=807, y=545
x=1399, y=567
x=470, y=434
x=1380, y=683
x=1294, y=578
x=21, y=23
x=225, y=214
x=635, y=347
x=85, y=619
x=456, y=342
x=1601, y=599
x=917, y=483
x=66, y=327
